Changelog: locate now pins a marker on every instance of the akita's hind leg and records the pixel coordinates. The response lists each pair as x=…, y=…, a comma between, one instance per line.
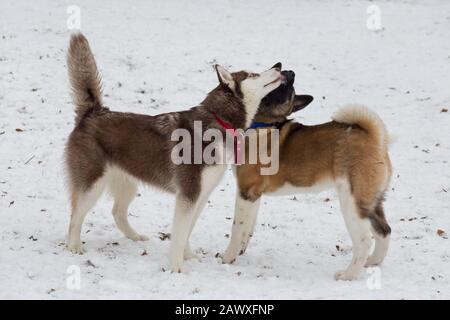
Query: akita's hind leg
x=359, y=229
x=382, y=232
x=123, y=189
x=82, y=202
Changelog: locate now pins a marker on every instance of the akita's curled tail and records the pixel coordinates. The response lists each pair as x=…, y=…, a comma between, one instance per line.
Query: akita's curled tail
x=84, y=77
x=366, y=119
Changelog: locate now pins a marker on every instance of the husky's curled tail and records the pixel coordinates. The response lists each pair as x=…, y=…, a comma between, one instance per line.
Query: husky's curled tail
x=84, y=78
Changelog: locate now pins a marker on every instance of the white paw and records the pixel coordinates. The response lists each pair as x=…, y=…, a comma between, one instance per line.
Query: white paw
x=228, y=258
x=76, y=248
x=345, y=275
x=138, y=237
x=177, y=267
x=188, y=254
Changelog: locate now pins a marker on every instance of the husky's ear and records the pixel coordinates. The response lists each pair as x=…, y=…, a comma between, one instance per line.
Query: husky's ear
x=225, y=77
x=301, y=101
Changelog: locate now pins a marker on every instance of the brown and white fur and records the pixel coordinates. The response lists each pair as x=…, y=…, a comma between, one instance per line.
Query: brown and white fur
x=116, y=150
x=349, y=153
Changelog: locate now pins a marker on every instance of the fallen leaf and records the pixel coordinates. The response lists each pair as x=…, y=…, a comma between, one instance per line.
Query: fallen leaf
x=164, y=236
x=90, y=264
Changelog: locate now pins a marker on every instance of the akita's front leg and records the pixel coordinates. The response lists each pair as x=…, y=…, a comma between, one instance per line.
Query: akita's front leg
x=244, y=218
x=249, y=235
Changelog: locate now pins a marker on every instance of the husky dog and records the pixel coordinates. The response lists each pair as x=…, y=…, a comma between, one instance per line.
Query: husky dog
x=349, y=153
x=116, y=150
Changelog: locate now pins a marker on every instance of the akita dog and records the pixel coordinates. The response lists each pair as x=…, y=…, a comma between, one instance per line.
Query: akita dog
x=115, y=150
x=349, y=153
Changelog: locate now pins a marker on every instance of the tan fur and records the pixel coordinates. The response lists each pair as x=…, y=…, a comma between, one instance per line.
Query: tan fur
x=351, y=153
x=354, y=149
x=366, y=119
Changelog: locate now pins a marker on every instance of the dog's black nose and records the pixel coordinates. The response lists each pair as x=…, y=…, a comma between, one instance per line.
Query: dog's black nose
x=289, y=75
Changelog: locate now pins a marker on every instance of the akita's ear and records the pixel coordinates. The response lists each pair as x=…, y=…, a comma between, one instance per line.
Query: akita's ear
x=225, y=77
x=277, y=65
x=301, y=101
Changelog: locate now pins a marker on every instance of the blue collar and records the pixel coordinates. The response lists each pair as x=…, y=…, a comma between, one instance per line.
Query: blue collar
x=256, y=125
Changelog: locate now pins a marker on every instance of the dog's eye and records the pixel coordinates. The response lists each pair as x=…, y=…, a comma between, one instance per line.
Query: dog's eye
x=253, y=75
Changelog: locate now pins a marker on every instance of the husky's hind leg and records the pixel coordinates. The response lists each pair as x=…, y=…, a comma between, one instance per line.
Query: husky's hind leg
x=123, y=189
x=82, y=202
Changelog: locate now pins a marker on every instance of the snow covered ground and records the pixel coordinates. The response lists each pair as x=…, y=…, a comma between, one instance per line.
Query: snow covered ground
x=156, y=56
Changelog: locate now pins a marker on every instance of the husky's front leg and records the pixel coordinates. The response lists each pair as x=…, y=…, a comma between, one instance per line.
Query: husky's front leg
x=185, y=216
x=188, y=254
x=244, y=218
x=187, y=212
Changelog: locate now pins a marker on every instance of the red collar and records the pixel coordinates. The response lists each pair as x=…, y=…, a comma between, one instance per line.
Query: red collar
x=223, y=123
x=237, y=138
